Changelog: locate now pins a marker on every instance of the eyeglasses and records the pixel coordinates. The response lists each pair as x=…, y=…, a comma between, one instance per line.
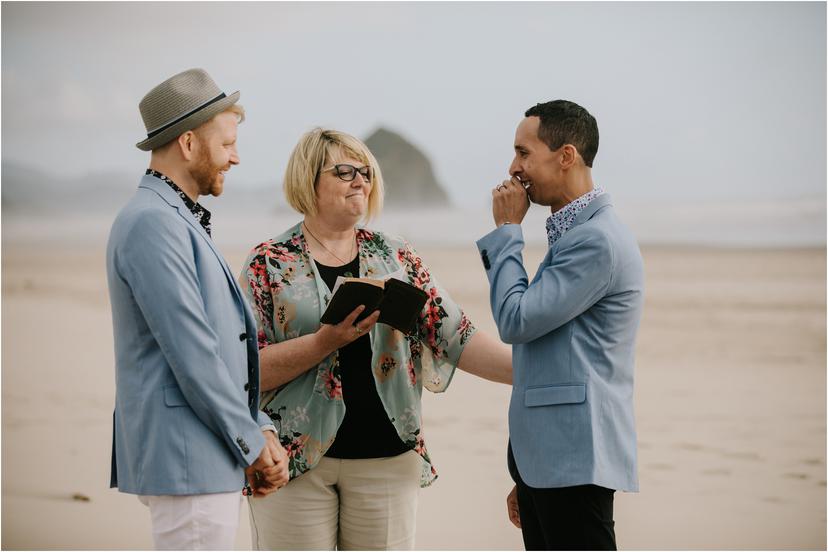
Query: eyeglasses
x=348, y=172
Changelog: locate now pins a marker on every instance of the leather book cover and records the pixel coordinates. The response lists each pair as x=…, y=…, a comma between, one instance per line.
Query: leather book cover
x=401, y=305
x=399, y=302
x=351, y=294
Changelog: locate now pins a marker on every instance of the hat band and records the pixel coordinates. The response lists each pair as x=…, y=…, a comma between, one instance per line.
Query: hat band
x=176, y=121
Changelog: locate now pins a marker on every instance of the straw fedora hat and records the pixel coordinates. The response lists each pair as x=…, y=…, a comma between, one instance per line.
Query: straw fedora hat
x=181, y=103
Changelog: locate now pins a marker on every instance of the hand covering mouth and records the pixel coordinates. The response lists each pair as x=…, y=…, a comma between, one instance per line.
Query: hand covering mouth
x=525, y=183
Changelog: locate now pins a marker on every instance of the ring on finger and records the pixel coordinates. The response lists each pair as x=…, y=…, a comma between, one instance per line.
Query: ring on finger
x=358, y=330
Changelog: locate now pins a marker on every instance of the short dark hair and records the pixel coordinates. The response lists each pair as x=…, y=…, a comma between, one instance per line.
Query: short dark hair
x=563, y=122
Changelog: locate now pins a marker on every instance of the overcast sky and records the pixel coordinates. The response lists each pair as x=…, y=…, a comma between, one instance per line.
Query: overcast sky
x=694, y=101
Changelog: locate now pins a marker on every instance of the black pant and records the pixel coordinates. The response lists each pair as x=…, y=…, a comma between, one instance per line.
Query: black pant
x=566, y=518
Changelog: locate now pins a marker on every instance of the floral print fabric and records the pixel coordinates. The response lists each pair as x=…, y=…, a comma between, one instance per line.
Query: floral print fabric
x=288, y=297
x=561, y=220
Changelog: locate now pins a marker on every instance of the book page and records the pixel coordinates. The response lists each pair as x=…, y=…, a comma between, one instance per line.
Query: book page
x=379, y=282
x=342, y=279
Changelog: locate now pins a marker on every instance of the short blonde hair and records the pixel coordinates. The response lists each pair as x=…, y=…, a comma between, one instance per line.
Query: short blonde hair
x=238, y=110
x=317, y=149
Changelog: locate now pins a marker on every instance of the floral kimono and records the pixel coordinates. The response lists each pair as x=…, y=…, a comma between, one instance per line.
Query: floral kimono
x=288, y=297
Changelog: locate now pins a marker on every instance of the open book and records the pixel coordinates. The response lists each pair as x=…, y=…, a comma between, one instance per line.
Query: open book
x=399, y=302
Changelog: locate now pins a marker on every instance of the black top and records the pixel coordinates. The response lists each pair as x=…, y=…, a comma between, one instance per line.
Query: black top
x=366, y=431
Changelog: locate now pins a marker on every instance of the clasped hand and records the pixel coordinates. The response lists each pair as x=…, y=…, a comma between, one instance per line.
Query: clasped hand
x=270, y=470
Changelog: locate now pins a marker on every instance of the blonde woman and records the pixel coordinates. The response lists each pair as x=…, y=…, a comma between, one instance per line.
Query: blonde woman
x=345, y=398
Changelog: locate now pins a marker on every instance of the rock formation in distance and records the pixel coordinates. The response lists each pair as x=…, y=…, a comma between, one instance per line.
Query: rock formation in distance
x=406, y=172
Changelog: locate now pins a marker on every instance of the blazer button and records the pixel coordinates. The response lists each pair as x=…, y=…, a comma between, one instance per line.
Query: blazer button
x=242, y=445
x=243, y=336
x=247, y=387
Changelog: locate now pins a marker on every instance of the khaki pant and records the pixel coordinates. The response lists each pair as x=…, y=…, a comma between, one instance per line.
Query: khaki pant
x=365, y=504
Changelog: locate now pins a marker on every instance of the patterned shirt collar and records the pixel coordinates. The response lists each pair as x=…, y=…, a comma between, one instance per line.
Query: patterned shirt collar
x=561, y=220
x=201, y=214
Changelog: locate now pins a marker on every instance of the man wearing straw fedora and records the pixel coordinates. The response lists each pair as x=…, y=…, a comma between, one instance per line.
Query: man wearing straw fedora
x=187, y=426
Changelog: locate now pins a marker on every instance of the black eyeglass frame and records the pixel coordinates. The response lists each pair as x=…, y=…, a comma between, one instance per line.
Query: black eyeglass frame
x=354, y=170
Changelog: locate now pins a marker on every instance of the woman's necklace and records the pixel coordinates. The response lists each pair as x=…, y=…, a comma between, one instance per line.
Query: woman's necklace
x=350, y=251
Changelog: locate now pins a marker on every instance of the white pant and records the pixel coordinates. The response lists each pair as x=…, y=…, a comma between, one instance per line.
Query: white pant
x=365, y=504
x=194, y=522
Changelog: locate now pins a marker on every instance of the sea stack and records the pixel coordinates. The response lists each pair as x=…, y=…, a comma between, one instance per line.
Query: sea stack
x=406, y=171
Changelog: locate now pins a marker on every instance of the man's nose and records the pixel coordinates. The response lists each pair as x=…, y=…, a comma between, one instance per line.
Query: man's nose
x=515, y=168
x=234, y=158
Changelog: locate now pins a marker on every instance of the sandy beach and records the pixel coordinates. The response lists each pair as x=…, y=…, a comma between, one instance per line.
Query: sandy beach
x=730, y=407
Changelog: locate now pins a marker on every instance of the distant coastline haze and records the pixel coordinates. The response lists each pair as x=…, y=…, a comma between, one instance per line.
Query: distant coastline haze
x=710, y=113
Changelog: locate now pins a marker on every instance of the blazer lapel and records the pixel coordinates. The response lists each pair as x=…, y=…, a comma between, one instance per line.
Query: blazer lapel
x=174, y=200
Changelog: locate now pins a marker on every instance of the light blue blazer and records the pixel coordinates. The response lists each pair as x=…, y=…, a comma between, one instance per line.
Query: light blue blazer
x=573, y=330
x=186, y=361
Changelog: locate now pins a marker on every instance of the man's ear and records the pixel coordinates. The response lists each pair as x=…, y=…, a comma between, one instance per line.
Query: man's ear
x=187, y=145
x=569, y=156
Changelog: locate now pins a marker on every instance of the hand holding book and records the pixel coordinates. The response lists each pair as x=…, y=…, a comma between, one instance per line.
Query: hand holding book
x=335, y=336
x=399, y=303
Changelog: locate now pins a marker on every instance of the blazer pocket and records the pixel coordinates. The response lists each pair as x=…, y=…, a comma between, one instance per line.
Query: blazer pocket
x=570, y=393
x=174, y=397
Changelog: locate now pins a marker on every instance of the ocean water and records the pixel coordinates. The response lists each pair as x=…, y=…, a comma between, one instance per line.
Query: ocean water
x=796, y=223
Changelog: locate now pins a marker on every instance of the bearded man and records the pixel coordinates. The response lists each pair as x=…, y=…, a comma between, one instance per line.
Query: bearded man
x=187, y=426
